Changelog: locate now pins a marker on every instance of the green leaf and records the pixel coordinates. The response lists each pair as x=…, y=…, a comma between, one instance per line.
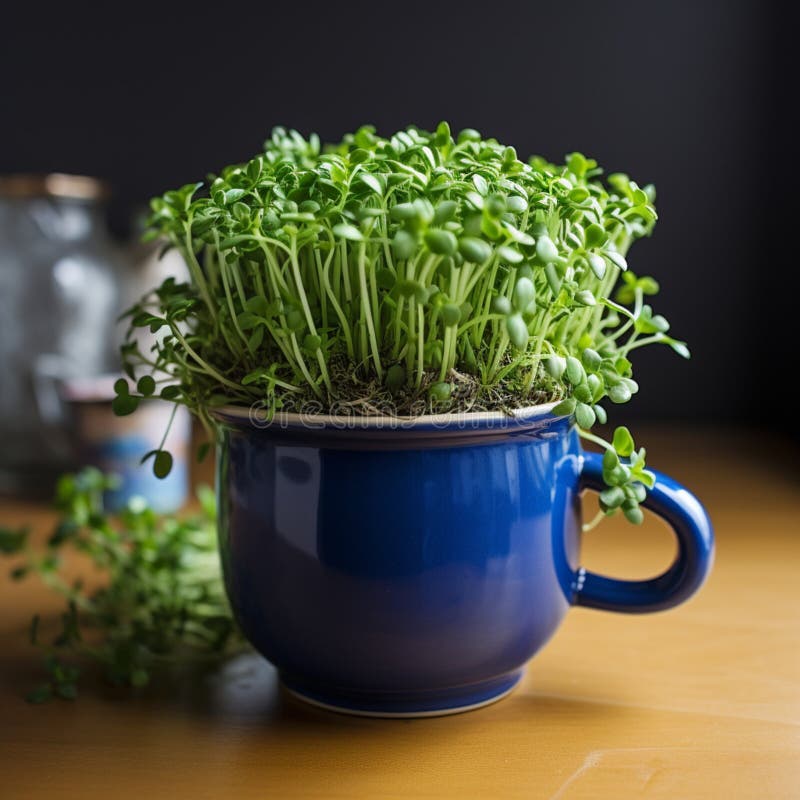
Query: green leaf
x=679, y=347
x=595, y=235
x=613, y=497
x=501, y=305
x=634, y=515
x=255, y=339
x=650, y=323
x=584, y=416
x=162, y=464
x=575, y=373
x=591, y=359
x=475, y=250
x=518, y=236
x=491, y=228
x=597, y=264
x=619, y=393
x=146, y=385
x=517, y=331
x=441, y=242
x=524, y=294
x=241, y=211
x=495, y=206
x=516, y=204
x=618, y=476
x=648, y=285
x=440, y=392
x=312, y=343
x=623, y=441
x=122, y=405
x=451, y=314
x=297, y=216
x=577, y=164
x=647, y=477
x=622, y=365
x=583, y=393
x=254, y=168
x=616, y=307
x=564, y=408
x=469, y=135
x=349, y=232
x=633, y=387
x=480, y=184
x=509, y=254
x=442, y=138
x=147, y=456
x=395, y=377
x=546, y=250
x=404, y=212
x=616, y=258
x=385, y=278
x=404, y=245
x=637, y=492
x=445, y=211
x=555, y=366
x=610, y=460
x=372, y=182
x=579, y=194
x=358, y=156
x=232, y=195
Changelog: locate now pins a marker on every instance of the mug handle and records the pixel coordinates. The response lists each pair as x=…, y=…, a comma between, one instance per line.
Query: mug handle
x=682, y=511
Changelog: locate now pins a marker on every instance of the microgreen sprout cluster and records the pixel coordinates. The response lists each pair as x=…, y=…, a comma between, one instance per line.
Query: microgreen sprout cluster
x=423, y=272
x=162, y=601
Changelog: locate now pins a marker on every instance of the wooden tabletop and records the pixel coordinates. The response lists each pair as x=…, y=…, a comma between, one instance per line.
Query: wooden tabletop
x=699, y=702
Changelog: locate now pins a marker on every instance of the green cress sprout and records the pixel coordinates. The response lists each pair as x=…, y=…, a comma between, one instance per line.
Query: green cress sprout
x=419, y=273
x=156, y=596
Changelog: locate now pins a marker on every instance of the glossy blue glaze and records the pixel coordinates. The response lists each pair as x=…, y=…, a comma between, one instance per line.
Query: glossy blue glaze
x=417, y=570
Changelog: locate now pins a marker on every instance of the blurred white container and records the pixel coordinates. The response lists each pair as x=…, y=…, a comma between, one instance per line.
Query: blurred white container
x=116, y=444
x=60, y=293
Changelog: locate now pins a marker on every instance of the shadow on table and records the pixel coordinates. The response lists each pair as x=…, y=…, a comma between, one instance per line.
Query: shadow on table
x=235, y=725
x=246, y=692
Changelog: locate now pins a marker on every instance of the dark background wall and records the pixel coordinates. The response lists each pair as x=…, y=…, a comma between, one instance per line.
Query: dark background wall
x=684, y=94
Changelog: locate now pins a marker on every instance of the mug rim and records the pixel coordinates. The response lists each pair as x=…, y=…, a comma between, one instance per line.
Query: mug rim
x=520, y=417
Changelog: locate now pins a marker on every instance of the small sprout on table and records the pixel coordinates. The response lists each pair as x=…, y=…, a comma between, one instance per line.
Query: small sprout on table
x=160, y=599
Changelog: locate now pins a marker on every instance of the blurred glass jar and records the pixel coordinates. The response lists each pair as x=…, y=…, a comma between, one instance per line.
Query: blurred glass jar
x=60, y=293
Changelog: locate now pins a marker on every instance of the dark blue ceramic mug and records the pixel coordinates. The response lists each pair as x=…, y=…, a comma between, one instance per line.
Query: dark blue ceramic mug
x=410, y=568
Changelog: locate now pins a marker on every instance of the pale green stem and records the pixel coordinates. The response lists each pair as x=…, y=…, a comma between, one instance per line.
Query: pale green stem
x=420, y=343
x=207, y=367
x=301, y=292
x=196, y=270
x=367, y=311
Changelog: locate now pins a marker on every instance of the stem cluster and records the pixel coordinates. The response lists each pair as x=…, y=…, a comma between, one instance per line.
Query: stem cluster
x=413, y=260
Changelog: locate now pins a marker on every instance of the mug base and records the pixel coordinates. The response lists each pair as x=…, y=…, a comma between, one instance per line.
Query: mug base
x=405, y=705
